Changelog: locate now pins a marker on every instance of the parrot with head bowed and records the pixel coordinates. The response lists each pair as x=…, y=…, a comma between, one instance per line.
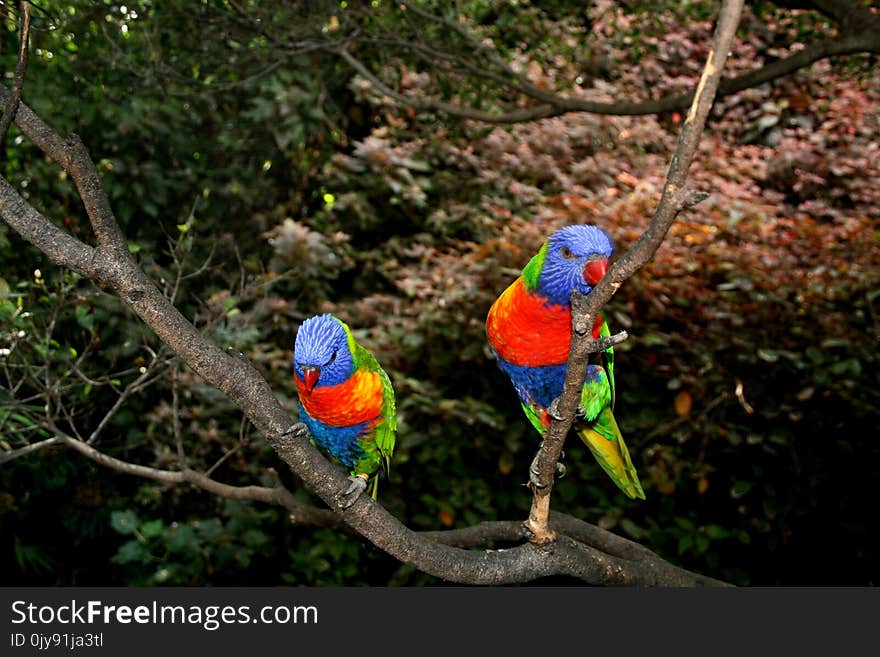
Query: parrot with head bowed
x=346, y=401
x=529, y=330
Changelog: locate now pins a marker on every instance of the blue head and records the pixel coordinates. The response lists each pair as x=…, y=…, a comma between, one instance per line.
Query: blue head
x=321, y=355
x=576, y=259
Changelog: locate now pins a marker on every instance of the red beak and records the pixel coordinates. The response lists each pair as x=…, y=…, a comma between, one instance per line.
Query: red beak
x=595, y=270
x=310, y=377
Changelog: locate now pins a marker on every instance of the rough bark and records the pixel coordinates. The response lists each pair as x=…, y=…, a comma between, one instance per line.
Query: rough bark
x=581, y=550
x=675, y=198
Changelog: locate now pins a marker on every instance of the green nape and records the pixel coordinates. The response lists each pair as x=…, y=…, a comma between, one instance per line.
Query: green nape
x=532, y=271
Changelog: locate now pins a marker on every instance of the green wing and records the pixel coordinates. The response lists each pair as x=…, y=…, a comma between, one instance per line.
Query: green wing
x=598, y=429
x=596, y=394
x=606, y=359
x=536, y=417
x=386, y=431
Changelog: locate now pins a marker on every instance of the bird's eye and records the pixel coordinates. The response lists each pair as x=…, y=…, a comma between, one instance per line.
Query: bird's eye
x=332, y=358
x=566, y=253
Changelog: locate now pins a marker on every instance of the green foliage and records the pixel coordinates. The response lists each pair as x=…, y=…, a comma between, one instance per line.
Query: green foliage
x=260, y=184
x=186, y=553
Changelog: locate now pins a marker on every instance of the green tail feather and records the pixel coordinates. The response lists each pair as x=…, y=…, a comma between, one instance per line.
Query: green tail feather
x=606, y=443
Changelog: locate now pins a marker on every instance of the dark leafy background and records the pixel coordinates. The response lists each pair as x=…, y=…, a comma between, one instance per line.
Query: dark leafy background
x=280, y=187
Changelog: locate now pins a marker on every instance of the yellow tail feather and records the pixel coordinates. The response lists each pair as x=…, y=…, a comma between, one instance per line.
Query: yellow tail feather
x=605, y=442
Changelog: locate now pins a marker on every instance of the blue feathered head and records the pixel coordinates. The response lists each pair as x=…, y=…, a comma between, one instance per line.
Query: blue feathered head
x=322, y=353
x=574, y=258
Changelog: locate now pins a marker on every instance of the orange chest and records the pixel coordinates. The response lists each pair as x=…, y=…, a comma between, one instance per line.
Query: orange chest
x=524, y=329
x=356, y=400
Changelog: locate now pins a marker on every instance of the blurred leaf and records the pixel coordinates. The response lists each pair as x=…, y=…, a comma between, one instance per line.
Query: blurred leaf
x=124, y=522
x=683, y=403
x=151, y=528
x=740, y=488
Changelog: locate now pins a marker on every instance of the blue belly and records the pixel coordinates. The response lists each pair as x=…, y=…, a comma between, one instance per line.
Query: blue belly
x=341, y=442
x=536, y=386
x=539, y=386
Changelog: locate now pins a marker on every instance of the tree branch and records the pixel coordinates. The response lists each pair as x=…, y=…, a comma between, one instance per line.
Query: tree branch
x=13, y=454
x=860, y=32
x=434, y=104
x=111, y=264
x=612, y=559
x=75, y=159
x=11, y=104
x=850, y=15
x=511, y=531
x=674, y=198
x=279, y=495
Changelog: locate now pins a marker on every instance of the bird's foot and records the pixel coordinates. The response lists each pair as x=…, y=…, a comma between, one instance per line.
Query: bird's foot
x=298, y=430
x=556, y=414
x=534, y=475
x=349, y=496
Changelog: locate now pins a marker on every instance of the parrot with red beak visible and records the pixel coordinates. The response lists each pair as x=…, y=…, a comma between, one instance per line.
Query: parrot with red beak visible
x=529, y=330
x=346, y=401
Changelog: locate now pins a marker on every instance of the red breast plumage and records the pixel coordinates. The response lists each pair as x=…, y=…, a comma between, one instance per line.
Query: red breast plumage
x=525, y=329
x=355, y=400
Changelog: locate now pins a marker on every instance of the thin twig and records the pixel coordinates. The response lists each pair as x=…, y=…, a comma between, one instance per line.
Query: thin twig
x=276, y=495
x=242, y=438
x=11, y=108
x=130, y=389
x=28, y=449
x=859, y=32
x=222, y=460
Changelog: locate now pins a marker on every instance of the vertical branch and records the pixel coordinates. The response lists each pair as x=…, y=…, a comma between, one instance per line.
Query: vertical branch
x=675, y=197
x=78, y=163
x=239, y=380
x=12, y=102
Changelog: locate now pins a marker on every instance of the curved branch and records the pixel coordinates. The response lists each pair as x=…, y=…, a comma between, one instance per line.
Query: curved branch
x=615, y=559
x=851, y=15
x=612, y=551
x=522, y=82
x=13, y=454
x=483, y=533
x=860, y=33
x=510, y=531
x=13, y=101
x=674, y=199
x=846, y=44
x=300, y=512
x=434, y=104
x=241, y=382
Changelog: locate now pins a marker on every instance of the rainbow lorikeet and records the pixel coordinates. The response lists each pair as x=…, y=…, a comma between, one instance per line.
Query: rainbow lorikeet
x=346, y=401
x=529, y=329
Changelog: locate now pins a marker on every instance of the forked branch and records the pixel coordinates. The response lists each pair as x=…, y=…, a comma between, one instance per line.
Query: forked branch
x=600, y=561
x=675, y=198
x=246, y=387
x=12, y=102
